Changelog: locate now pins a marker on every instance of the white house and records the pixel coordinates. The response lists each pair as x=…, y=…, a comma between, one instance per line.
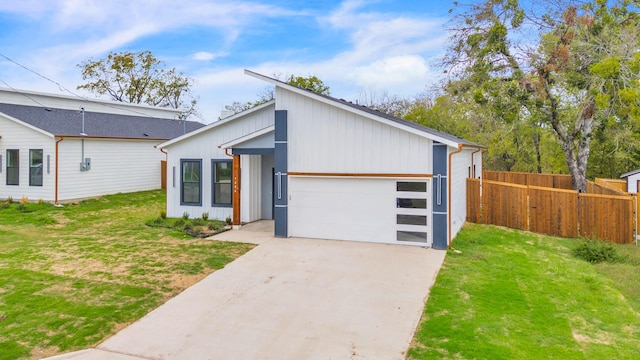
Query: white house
x=632, y=178
x=59, y=148
x=323, y=167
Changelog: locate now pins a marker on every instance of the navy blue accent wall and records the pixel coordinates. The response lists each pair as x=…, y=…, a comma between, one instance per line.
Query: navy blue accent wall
x=280, y=181
x=250, y=151
x=439, y=196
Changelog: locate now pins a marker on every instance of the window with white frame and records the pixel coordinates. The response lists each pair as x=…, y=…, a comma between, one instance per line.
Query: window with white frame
x=191, y=182
x=222, y=182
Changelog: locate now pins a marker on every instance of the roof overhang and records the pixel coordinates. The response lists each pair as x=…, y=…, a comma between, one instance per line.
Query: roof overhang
x=19, y=122
x=215, y=124
x=365, y=114
x=249, y=137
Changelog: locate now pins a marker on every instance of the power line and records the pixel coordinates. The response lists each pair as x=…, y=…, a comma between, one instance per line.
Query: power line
x=64, y=89
x=21, y=93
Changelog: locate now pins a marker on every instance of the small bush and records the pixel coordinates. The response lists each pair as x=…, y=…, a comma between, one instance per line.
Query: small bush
x=10, y=200
x=188, y=226
x=24, y=200
x=179, y=222
x=199, y=222
x=211, y=226
x=40, y=201
x=205, y=216
x=228, y=220
x=596, y=251
x=185, y=215
x=163, y=214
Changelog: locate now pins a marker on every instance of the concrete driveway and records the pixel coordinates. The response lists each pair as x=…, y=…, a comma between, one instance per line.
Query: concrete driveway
x=289, y=299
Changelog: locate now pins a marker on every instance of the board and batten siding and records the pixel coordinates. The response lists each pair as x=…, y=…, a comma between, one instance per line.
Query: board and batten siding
x=632, y=183
x=462, y=168
x=16, y=136
x=326, y=139
x=204, y=146
x=117, y=166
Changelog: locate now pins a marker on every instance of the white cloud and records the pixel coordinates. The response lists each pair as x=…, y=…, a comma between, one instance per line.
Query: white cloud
x=207, y=56
x=402, y=75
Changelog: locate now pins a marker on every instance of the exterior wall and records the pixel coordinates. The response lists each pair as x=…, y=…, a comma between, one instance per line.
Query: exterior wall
x=461, y=169
x=632, y=183
x=326, y=139
x=16, y=136
x=204, y=145
x=250, y=189
x=117, y=166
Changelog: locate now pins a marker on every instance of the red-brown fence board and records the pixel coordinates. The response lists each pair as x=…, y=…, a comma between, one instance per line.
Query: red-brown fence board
x=607, y=217
x=504, y=204
x=553, y=211
x=473, y=200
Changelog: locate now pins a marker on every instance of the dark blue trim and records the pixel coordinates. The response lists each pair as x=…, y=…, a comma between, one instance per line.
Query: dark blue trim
x=199, y=203
x=439, y=197
x=439, y=225
x=281, y=180
x=252, y=151
x=213, y=183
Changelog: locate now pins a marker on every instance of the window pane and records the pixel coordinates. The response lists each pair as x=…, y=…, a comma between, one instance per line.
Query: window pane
x=411, y=219
x=223, y=172
x=13, y=169
x=35, y=167
x=414, y=236
x=411, y=203
x=222, y=193
x=411, y=186
x=191, y=193
x=191, y=171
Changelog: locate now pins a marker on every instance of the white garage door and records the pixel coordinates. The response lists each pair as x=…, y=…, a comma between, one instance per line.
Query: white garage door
x=360, y=209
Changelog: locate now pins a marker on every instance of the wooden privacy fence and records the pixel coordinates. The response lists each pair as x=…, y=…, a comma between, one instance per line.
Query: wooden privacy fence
x=551, y=211
x=557, y=181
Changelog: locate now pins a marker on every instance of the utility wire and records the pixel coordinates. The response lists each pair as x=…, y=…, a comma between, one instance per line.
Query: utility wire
x=21, y=93
x=64, y=89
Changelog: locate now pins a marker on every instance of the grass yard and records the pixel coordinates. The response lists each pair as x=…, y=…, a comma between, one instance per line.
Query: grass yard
x=518, y=295
x=72, y=276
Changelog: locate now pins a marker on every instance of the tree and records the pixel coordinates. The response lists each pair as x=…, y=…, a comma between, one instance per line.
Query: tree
x=310, y=82
x=572, y=66
x=138, y=78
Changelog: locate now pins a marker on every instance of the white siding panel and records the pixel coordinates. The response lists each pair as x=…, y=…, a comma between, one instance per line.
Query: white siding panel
x=632, y=183
x=205, y=146
x=325, y=139
x=250, y=190
x=15, y=136
x=460, y=164
x=117, y=166
x=359, y=209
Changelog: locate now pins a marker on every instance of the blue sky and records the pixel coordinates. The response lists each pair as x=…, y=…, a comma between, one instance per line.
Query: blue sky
x=356, y=47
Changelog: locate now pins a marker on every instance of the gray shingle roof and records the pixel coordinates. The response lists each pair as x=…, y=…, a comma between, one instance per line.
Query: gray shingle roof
x=63, y=122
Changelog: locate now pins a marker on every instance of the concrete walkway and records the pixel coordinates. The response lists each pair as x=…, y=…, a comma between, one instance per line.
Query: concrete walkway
x=289, y=299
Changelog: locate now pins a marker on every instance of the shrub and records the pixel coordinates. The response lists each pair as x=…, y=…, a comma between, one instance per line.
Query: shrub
x=205, y=216
x=188, y=226
x=211, y=226
x=163, y=214
x=24, y=200
x=198, y=222
x=179, y=222
x=185, y=215
x=40, y=201
x=596, y=251
x=228, y=220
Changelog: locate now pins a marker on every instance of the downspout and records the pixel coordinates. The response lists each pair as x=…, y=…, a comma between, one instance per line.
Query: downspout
x=473, y=169
x=449, y=178
x=57, y=172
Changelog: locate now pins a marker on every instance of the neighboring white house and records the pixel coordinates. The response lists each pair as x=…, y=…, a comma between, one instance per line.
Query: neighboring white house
x=60, y=148
x=323, y=167
x=632, y=178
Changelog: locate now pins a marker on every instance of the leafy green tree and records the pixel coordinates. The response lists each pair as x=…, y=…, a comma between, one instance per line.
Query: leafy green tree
x=310, y=82
x=573, y=67
x=138, y=78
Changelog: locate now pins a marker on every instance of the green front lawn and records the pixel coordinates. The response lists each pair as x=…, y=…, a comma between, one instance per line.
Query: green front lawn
x=517, y=295
x=72, y=276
